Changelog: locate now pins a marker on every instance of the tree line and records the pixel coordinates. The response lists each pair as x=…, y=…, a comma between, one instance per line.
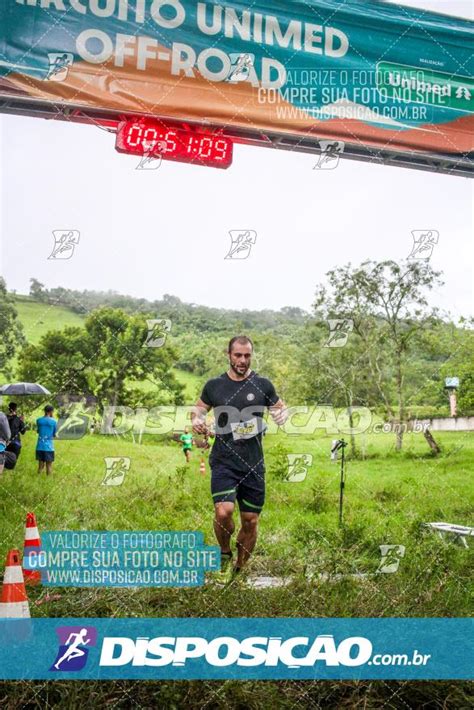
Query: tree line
x=372, y=338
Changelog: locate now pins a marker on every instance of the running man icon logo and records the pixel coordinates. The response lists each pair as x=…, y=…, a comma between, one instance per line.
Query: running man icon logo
x=65, y=241
x=298, y=465
x=116, y=468
x=158, y=328
x=424, y=241
x=339, y=330
x=74, y=423
x=330, y=154
x=391, y=556
x=153, y=155
x=241, y=243
x=59, y=63
x=72, y=653
x=241, y=64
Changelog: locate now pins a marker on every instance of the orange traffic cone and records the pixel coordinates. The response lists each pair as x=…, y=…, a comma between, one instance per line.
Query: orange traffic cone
x=14, y=602
x=202, y=467
x=32, y=539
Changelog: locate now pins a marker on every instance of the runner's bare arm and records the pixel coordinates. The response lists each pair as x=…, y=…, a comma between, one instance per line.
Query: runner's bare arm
x=279, y=412
x=198, y=417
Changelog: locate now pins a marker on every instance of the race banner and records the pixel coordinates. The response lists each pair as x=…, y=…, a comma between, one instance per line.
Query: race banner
x=239, y=649
x=372, y=74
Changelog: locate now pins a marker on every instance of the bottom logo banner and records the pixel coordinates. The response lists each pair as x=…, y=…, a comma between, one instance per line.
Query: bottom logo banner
x=244, y=648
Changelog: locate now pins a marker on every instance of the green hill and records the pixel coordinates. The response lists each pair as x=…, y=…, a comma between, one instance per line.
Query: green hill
x=38, y=318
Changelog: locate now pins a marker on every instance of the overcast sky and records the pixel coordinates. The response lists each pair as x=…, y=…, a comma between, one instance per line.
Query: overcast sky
x=150, y=232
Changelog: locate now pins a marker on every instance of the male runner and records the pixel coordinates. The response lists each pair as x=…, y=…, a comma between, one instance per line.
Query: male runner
x=186, y=440
x=46, y=427
x=239, y=398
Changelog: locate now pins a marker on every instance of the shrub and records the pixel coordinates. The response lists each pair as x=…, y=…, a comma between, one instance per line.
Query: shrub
x=278, y=458
x=321, y=502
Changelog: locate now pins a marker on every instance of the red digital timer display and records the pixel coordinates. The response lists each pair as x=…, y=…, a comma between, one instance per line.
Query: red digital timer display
x=154, y=138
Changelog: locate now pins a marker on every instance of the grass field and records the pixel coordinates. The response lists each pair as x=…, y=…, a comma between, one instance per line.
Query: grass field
x=388, y=496
x=38, y=318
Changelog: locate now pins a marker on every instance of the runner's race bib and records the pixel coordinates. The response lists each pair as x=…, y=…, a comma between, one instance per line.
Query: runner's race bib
x=244, y=430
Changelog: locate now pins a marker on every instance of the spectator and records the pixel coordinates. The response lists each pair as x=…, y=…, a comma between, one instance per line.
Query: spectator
x=17, y=428
x=5, y=435
x=46, y=427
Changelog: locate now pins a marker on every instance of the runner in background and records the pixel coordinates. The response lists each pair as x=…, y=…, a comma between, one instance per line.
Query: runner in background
x=187, y=441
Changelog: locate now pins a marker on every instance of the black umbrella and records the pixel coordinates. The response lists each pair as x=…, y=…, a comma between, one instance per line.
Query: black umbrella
x=20, y=388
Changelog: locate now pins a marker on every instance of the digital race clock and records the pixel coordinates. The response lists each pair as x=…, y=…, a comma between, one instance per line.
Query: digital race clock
x=155, y=138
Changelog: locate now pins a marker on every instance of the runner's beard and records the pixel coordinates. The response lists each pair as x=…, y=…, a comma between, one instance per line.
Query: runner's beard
x=239, y=369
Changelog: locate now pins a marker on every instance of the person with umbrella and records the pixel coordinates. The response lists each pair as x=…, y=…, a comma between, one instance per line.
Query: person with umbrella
x=8, y=456
x=17, y=428
x=46, y=427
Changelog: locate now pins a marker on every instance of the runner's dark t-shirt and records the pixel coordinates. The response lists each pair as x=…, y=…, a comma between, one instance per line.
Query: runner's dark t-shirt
x=239, y=407
x=17, y=427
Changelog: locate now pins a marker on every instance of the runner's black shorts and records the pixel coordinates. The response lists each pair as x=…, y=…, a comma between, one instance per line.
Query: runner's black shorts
x=45, y=456
x=248, y=489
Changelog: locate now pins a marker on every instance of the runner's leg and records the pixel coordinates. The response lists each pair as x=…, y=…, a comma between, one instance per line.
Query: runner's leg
x=224, y=524
x=251, y=499
x=246, y=538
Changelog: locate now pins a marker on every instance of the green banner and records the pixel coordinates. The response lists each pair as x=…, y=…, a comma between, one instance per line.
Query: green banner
x=435, y=88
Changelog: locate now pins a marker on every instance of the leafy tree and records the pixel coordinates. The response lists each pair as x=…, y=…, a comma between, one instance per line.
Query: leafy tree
x=334, y=375
x=388, y=305
x=101, y=359
x=37, y=291
x=201, y=353
x=279, y=358
x=460, y=364
x=11, y=330
x=60, y=361
x=118, y=341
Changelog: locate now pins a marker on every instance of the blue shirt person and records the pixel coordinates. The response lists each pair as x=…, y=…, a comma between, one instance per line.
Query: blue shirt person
x=46, y=427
